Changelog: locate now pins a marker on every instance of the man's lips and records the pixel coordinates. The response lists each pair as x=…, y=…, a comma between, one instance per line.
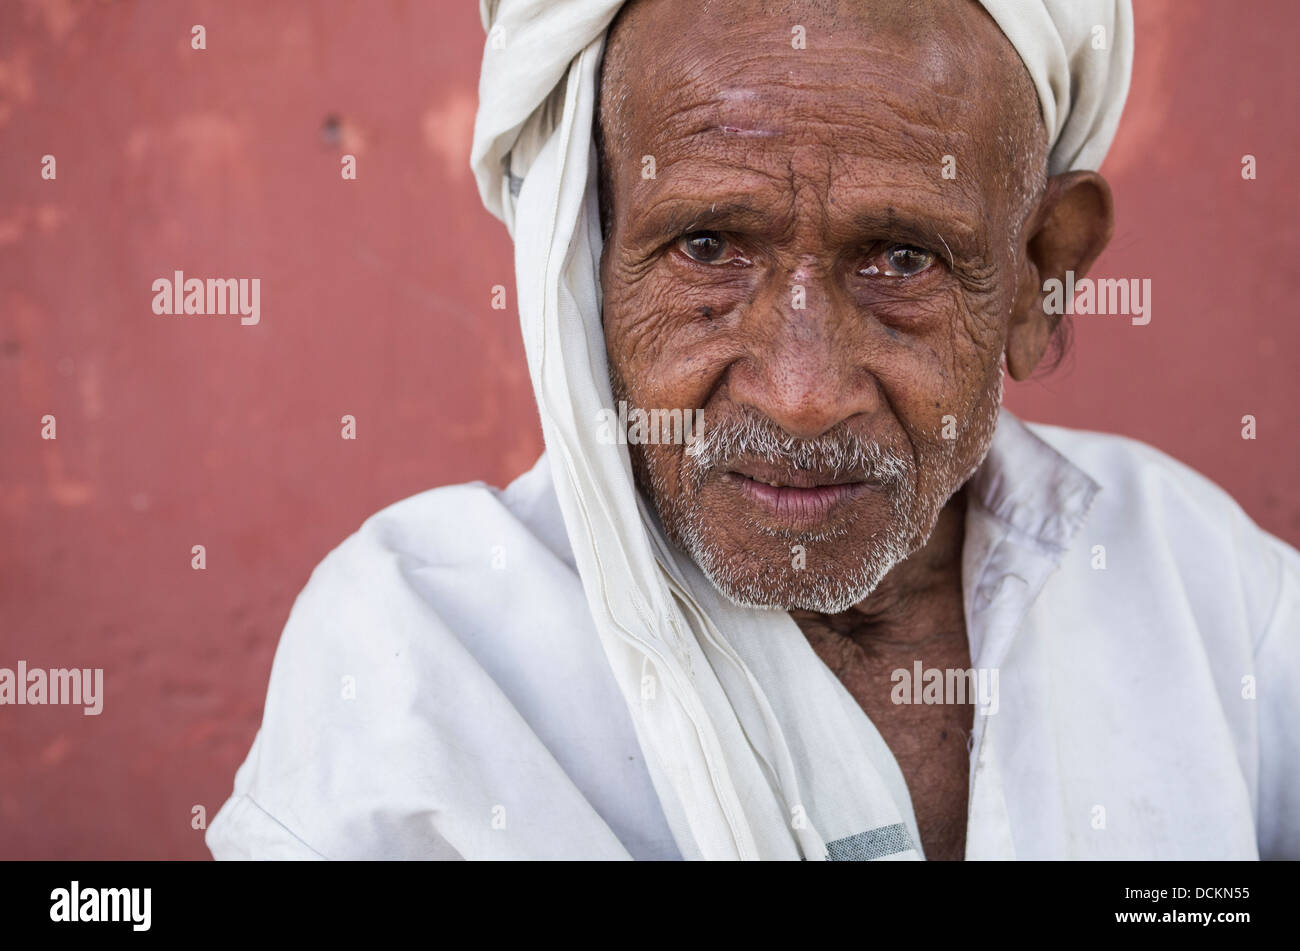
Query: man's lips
x=799, y=499
x=794, y=478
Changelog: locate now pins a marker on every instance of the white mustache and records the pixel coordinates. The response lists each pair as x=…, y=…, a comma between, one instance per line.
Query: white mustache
x=837, y=453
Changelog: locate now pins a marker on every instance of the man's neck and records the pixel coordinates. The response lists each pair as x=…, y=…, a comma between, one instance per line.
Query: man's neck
x=914, y=616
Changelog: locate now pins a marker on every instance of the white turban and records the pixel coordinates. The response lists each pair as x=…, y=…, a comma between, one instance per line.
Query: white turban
x=754, y=750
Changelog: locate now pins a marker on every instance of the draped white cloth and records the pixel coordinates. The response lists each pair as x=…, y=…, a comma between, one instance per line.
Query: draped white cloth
x=731, y=761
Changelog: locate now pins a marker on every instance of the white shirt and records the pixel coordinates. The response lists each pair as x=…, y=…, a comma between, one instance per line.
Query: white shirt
x=439, y=690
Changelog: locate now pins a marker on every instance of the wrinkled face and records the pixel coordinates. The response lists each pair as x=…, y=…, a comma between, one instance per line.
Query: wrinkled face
x=814, y=244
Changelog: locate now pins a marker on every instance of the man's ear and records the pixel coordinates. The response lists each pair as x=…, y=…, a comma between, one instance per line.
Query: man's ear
x=1071, y=226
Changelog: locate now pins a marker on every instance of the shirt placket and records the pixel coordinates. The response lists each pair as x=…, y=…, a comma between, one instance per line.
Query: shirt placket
x=1011, y=578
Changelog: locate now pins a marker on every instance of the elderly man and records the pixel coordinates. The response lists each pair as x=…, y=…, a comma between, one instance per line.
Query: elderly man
x=818, y=233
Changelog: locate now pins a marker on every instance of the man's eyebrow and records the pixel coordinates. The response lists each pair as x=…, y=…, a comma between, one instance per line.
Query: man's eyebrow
x=685, y=216
x=944, y=230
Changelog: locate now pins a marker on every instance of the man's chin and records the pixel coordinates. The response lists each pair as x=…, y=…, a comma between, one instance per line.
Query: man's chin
x=825, y=558
x=827, y=592
x=807, y=601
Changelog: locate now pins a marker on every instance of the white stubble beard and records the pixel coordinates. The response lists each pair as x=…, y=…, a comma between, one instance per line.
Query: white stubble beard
x=908, y=531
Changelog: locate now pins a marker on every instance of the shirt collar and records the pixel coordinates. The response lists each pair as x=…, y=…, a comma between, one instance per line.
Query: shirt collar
x=1030, y=487
x=1024, y=505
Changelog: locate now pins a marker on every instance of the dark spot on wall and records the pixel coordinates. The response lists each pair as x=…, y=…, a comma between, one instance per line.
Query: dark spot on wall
x=331, y=130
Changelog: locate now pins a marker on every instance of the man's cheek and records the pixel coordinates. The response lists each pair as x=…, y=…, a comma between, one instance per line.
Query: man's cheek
x=670, y=378
x=662, y=309
x=663, y=464
x=978, y=328
x=643, y=310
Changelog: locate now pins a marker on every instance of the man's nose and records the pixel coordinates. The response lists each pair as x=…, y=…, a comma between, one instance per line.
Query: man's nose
x=802, y=370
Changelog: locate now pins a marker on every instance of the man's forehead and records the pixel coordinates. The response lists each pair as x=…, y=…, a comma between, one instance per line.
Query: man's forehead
x=883, y=101
x=684, y=70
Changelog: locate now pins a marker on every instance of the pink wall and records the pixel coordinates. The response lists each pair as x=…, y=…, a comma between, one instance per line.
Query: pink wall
x=375, y=302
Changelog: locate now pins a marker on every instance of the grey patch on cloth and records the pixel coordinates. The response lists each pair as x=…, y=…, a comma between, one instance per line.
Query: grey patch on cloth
x=872, y=844
x=515, y=181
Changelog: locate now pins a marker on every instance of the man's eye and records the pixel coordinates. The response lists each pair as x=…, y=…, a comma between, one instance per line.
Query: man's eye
x=706, y=247
x=899, y=260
